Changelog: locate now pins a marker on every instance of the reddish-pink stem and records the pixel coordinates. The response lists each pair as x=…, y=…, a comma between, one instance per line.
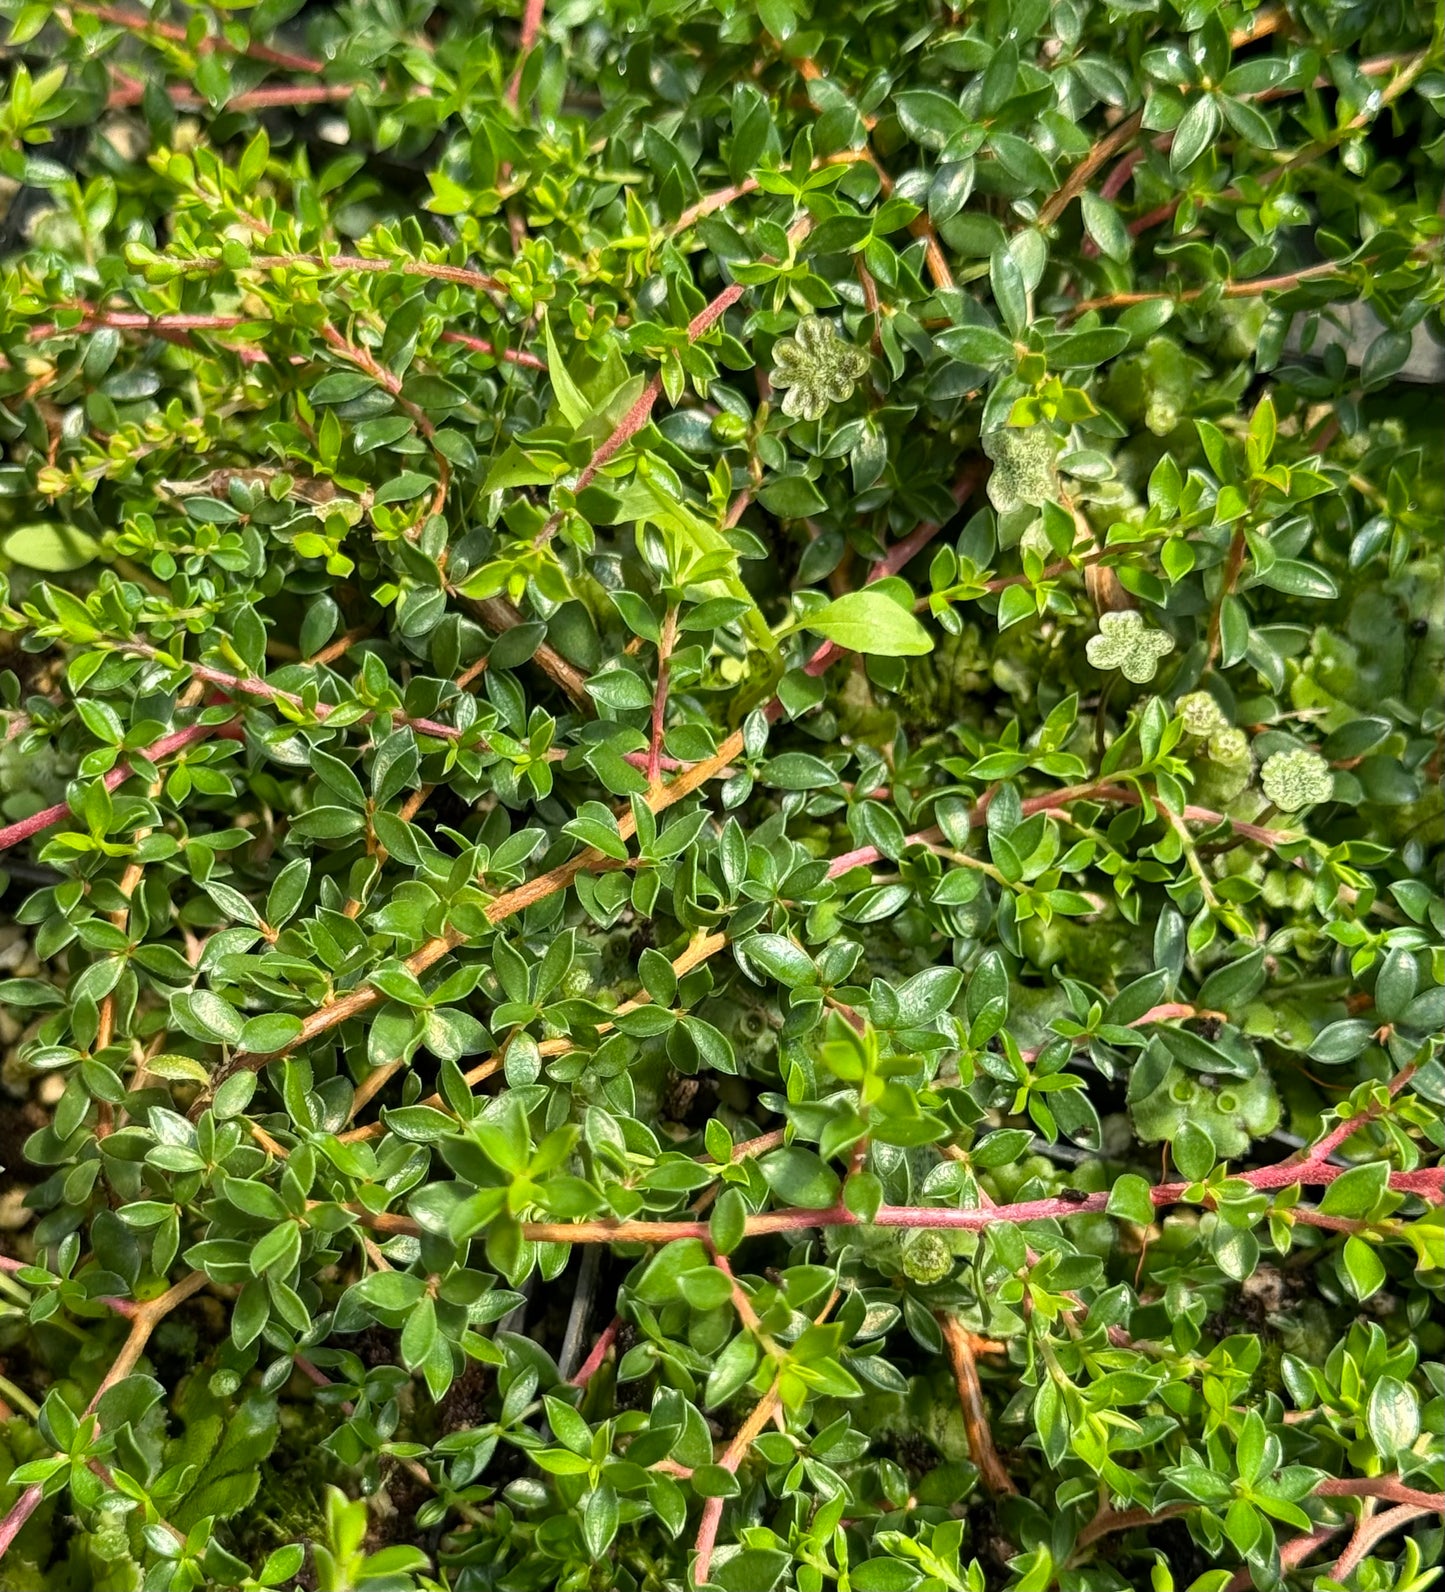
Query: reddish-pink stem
x=659, y=696
x=120, y=18
x=253, y=685
x=712, y=1509
x=593, y=1363
x=1064, y=797
x=1113, y=185
x=479, y=345
x=130, y=320
x=531, y=27
x=143, y=1317
x=20, y=1511
x=1428, y=1184
x=641, y=411
x=627, y=428
x=1390, y=1488
x=643, y=761
x=37, y=823
x=1347, y=1130
x=1370, y=1529
x=1291, y=1554
x=1154, y=218
x=256, y=99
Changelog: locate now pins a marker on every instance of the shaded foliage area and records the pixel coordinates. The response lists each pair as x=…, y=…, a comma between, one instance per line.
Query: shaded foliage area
x=720, y=796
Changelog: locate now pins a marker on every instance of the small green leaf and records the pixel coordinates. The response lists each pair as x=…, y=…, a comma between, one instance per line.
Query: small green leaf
x=799, y=1177
x=55, y=548
x=1193, y=1152
x=871, y=622
x=1129, y=1198
x=1363, y=1270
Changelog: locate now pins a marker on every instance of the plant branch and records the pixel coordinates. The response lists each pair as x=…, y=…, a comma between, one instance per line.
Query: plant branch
x=437, y=270
x=1371, y=1529
x=736, y=1452
x=958, y=1341
x=118, y=17
x=659, y=696
x=531, y=27
x=37, y=823
x=1231, y=290
x=144, y=1318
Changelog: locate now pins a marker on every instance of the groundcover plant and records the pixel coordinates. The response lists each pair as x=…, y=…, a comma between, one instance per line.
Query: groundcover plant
x=721, y=795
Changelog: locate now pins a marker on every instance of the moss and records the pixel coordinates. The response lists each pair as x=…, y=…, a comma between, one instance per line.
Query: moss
x=1127, y=643
x=945, y=688
x=1232, y=1111
x=926, y=1257
x=1226, y=770
x=1023, y=466
x=1293, y=780
x=815, y=368
x=1155, y=385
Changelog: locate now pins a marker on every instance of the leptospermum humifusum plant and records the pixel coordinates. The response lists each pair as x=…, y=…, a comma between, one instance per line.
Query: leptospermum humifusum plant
x=721, y=796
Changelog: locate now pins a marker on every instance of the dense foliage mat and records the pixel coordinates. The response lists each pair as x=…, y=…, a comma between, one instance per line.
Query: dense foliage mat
x=721, y=795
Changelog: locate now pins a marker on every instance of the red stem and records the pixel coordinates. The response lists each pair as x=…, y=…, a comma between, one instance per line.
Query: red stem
x=1063, y=797
x=437, y=270
x=1390, y=1488
x=593, y=1363
x=130, y=320
x=37, y=823
x=168, y=30
x=20, y=1511
x=1428, y=1184
x=659, y=696
x=1370, y=1529
x=256, y=99
x=712, y=1509
x=253, y=685
x=531, y=27
x=479, y=345
x=1347, y=1130
x=1113, y=185
x=641, y=411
